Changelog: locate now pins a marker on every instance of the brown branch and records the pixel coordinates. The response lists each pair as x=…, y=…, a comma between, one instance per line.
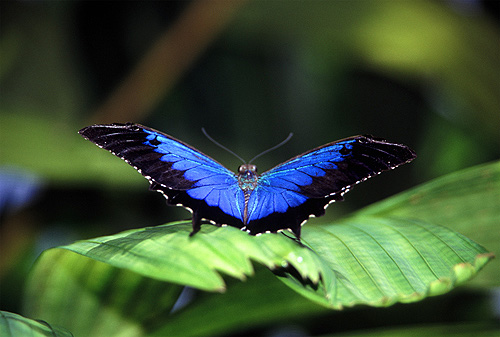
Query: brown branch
x=166, y=61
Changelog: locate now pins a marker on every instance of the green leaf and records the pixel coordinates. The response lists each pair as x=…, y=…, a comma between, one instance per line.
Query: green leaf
x=14, y=325
x=372, y=261
x=380, y=261
x=168, y=253
x=46, y=152
x=372, y=258
x=368, y=261
x=466, y=201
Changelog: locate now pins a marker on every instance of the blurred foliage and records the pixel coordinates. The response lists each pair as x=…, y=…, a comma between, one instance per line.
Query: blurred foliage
x=12, y=325
x=423, y=73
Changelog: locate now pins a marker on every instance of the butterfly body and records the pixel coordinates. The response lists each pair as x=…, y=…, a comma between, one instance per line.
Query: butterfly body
x=247, y=177
x=283, y=197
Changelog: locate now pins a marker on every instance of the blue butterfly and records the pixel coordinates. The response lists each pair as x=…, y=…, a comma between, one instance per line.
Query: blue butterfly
x=282, y=198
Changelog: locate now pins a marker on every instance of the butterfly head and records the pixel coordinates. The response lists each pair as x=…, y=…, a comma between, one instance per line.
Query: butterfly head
x=247, y=176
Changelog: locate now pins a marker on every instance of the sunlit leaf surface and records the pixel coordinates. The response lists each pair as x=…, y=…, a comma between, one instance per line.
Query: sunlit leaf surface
x=373, y=261
x=379, y=261
x=168, y=253
x=467, y=201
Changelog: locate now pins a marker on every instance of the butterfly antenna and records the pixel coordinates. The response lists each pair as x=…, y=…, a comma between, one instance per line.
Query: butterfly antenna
x=221, y=146
x=273, y=148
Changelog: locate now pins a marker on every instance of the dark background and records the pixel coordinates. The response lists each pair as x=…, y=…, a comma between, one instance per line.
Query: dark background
x=422, y=73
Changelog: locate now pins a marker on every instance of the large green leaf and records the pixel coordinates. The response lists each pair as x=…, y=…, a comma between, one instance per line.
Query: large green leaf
x=14, y=325
x=375, y=261
x=380, y=261
x=168, y=253
x=370, y=258
x=466, y=201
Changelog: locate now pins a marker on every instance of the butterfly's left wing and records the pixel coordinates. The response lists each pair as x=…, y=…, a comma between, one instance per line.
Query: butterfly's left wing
x=305, y=185
x=184, y=175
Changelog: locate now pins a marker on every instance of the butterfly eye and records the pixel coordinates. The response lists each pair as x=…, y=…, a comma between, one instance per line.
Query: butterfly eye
x=243, y=168
x=247, y=168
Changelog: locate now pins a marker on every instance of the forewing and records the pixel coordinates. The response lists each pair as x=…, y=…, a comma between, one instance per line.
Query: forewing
x=183, y=174
x=304, y=185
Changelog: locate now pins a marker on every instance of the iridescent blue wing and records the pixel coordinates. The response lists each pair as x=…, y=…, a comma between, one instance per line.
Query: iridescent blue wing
x=184, y=175
x=305, y=185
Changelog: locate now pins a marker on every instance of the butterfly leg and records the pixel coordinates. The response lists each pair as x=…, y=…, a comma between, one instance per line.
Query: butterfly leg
x=296, y=231
x=196, y=223
x=292, y=237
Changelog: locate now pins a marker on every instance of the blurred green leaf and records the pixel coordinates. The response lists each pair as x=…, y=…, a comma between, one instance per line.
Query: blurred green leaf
x=452, y=55
x=14, y=325
x=58, y=153
x=261, y=300
x=92, y=298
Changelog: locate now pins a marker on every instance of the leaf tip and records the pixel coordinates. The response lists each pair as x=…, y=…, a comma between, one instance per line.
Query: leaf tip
x=440, y=286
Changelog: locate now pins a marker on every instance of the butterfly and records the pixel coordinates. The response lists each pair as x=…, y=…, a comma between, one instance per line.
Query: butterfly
x=283, y=197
